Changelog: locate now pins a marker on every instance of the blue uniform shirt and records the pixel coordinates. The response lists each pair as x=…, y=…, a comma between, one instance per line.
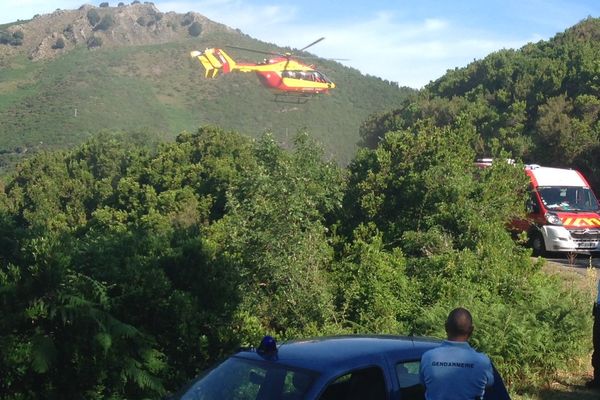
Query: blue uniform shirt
x=455, y=371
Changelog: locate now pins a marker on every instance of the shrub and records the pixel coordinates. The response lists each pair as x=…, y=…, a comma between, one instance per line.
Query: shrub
x=15, y=39
x=5, y=38
x=187, y=19
x=195, y=29
x=60, y=44
x=104, y=5
x=121, y=4
x=93, y=17
x=141, y=21
x=94, y=41
x=106, y=22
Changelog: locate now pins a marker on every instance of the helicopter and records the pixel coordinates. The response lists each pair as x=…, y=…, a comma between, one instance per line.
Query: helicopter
x=282, y=73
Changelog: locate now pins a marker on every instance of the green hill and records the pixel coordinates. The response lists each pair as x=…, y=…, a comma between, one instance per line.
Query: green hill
x=67, y=75
x=541, y=102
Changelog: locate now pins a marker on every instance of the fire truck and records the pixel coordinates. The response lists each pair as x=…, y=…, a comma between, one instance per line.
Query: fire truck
x=563, y=214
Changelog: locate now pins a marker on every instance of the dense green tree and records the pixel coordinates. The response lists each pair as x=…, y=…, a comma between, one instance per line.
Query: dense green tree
x=274, y=228
x=445, y=222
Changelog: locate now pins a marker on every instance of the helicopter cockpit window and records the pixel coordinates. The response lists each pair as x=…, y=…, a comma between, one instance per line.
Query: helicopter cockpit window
x=322, y=77
x=291, y=74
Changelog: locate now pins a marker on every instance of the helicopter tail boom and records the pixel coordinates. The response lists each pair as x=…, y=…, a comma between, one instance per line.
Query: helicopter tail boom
x=214, y=61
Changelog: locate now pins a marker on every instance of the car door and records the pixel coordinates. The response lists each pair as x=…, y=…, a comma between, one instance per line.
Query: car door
x=359, y=384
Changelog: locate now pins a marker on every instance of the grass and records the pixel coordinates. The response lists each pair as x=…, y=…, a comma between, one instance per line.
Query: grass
x=569, y=385
x=60, y=102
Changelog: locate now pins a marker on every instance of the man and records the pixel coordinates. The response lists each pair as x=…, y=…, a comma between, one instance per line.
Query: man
x=455, y=370
x=595, y=382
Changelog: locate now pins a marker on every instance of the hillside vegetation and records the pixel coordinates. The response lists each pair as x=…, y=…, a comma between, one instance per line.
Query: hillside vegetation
x=541, y=102
x=75, y=73
x=124, y=273
x=129, y=264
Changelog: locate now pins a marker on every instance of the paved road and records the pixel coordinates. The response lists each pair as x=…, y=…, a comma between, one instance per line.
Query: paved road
x=579, y=263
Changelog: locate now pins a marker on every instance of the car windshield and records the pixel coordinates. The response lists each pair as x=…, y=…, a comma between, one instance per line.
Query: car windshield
x=241, y=379
x=568, y=198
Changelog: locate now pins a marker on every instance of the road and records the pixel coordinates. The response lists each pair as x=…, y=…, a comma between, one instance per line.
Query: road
x=578, y=263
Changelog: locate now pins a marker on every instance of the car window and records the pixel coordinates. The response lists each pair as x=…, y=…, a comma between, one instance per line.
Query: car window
x=408, y=380
x=240, y=379
x=362, y=384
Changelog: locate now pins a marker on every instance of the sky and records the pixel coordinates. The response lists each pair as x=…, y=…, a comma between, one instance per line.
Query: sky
x=411, y=42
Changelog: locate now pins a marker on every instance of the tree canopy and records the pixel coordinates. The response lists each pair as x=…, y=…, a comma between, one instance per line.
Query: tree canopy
x=126, y=270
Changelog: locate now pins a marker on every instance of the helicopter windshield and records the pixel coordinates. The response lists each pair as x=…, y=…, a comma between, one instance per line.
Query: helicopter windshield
x=566, y=198
x=312, y=76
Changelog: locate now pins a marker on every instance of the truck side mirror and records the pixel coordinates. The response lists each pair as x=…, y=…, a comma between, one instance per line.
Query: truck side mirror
x=532, y=206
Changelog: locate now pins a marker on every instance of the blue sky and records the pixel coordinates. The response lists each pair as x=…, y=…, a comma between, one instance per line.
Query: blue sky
x=406, y=41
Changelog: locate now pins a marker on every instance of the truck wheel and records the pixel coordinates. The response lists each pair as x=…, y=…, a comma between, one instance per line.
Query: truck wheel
x=536, y=242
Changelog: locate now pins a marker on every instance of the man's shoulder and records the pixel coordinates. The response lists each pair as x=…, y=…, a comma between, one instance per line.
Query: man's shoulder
x=449, y=348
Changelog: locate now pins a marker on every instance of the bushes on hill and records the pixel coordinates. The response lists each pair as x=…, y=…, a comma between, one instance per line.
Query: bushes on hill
x=188, y=18
x=195, y=29
x=93, y=16
x=13, y=39
x=539, y=102
x=94, y=41
x=105, y=23
x=60, y=44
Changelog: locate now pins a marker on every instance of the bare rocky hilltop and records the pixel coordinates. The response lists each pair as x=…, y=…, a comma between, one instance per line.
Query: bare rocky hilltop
x=50, y=35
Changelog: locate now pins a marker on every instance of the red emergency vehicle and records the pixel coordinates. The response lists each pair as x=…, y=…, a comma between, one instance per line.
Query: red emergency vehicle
x=563, y=214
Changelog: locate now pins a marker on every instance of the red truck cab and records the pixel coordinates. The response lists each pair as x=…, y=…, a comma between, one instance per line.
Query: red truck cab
x=563, y=212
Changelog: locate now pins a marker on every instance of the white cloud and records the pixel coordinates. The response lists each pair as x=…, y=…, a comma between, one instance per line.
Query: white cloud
x=434, y=24
x=234, y=13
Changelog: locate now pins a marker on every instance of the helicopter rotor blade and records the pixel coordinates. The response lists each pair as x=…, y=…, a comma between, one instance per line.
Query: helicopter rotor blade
x=321, y=58
x=312, y=44
x=271, y=53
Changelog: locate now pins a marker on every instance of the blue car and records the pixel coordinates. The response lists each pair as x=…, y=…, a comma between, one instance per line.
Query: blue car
x=329, y=368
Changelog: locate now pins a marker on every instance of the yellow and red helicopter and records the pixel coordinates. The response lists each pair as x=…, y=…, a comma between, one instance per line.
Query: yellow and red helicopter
x=282, y=73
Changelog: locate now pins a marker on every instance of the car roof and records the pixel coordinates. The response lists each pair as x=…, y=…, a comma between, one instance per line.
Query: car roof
x=345, y=352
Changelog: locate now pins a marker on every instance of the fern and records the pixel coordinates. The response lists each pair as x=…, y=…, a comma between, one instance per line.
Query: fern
x=43, y=353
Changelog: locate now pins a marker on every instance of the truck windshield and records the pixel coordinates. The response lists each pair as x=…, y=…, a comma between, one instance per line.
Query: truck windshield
x=568, y=198
x=241, y=379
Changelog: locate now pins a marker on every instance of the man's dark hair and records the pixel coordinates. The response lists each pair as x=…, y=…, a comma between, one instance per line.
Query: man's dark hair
x=459, y=322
